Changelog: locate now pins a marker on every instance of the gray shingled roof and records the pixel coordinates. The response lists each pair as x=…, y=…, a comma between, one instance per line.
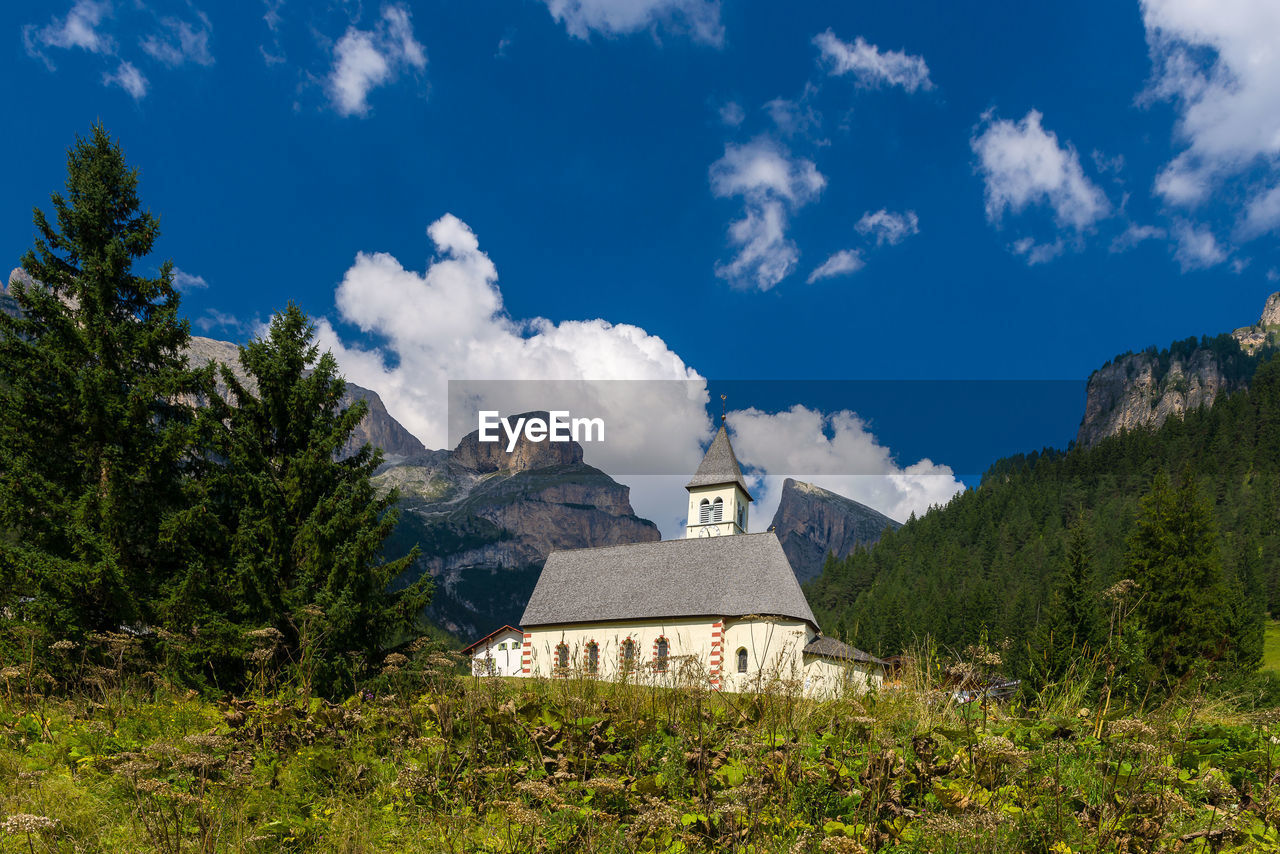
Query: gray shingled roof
x=832, y=648
x=730, y=576
x=720, y=465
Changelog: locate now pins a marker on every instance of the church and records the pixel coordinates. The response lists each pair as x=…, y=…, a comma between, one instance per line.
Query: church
x=720, y=605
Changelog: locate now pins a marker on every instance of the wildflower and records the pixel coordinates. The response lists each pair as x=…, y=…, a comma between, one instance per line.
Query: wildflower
x=63, y=646
x=27, y=823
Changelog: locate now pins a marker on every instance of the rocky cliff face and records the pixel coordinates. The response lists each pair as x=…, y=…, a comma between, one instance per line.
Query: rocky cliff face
x=486, y=520
x=810, y=522
x=1141, y=390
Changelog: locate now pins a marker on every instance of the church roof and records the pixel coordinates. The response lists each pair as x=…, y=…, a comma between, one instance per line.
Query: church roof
x=832, y=648
x=719, y=466
x=731, y=576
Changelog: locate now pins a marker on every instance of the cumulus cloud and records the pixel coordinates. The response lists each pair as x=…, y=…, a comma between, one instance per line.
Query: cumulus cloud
x=1218, y=64
x=699, y=18
x=890, y=228
x=448, y=323
x=1195, y=247
x=772, y=184
x=79, y=28
x=128, y=78
x=1262, y=213
x=178, y=42
x=363, y=60
x=842, y=263
x=837, y=452
x=870, y=66
x=1022, y=164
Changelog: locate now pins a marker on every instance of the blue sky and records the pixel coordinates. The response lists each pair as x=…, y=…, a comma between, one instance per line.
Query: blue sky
x=915, y=190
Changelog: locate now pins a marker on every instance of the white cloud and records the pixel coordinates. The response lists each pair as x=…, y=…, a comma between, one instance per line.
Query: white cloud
x=837, y=452
x=184, y=281
x=840, y=264
x=771, y=184
x=366, y=59
x=1022, y=164
x=870, y=66
x=179, y=42
x=891, y=228
x=78, y=29
x=699, y=18
x=1262, y=213
x=1273, y=275
x=797, y=116
x=1218, y=63
x=1135, y=234
x=1196, y=247
x=1038, y=253
x=128, y=78
x=732, y=114
x=449, y=324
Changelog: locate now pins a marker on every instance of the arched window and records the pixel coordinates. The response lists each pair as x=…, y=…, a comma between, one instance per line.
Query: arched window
x=593, y=657
x=704, y=512
x=661, y=654
x=628, y=654
x=717, y=510
x=562, y=656
x=742, y=660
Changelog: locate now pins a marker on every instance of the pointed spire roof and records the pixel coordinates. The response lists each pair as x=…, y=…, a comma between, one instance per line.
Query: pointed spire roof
x=720, y=465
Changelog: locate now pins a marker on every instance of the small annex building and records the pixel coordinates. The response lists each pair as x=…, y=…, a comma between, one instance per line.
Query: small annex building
x=497, y=653
x=721, y=605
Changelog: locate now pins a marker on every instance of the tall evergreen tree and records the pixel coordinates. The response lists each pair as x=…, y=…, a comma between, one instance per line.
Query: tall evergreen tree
x=1173, y=556
x=304, y=529
x=95, y=404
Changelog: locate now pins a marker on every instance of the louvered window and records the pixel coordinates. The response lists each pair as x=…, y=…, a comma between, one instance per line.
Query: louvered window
x=704, y=512
x=717, y=510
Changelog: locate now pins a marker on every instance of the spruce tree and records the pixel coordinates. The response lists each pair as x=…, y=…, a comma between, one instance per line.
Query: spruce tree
x=1173, y=556
x=95, y=405
x=304, y=529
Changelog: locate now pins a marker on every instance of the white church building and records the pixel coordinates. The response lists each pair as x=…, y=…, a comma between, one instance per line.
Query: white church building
x=719, y=605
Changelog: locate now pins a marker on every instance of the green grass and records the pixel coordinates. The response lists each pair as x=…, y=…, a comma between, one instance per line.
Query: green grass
x=431, y=761
x=1271, y=647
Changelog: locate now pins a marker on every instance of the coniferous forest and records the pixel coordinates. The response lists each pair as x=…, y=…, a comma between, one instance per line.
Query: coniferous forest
x=1033, y=556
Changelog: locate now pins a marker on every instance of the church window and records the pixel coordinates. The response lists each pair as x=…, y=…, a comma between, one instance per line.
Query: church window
x=628, y=653
x=717, y=510
x=562, y=656
x=704, y=512
x=661, y=654
x=593, y=657
x=742, y=660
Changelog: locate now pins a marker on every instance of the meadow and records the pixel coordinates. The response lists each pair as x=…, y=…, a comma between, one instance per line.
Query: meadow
x=107, y=757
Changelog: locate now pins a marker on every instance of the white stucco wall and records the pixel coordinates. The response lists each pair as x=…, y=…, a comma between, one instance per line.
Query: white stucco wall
x=498, y=656
x=734, y=499
x=775, y=660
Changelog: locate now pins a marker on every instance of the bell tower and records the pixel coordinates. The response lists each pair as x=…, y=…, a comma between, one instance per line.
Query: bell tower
x=718, y=497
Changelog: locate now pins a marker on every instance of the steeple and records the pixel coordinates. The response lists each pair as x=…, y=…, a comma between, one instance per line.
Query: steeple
x=718, y=496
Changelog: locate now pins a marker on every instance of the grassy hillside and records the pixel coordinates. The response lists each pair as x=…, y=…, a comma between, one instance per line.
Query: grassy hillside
x=431, y=761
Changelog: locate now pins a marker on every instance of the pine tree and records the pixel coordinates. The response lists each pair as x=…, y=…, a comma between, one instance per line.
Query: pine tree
x=304, y=529
x=95, y=414
x=1173, y=556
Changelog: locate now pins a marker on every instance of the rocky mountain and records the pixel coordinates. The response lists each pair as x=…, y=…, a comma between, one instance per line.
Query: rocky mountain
x=811, y=521
x=486, y=520
x=1143, y=389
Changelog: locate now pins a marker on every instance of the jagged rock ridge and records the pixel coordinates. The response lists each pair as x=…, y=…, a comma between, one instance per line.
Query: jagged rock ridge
x=486, y=520
x=1141, y=390
x=811, y=521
